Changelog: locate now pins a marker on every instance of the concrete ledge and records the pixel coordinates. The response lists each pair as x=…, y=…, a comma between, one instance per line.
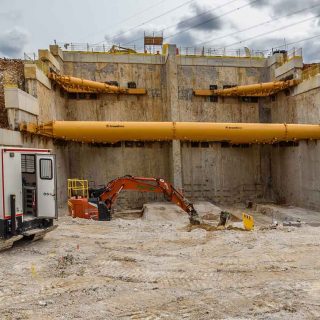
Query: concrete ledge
x=221, y=61
x=16, y=116
x=31, y=71
x=10, y=138
x=307, y=85
x=275, y=58
x=289, y=67
x=56, y=51
x=18, y=99
x=83, y=57
x=45, y=55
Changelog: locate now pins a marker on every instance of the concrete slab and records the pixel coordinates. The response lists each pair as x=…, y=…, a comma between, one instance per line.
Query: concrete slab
x=289, y=68
x=45, y=55
x=291, y=213
x=100, y=57
x=221, y=61
x=307, y=85
x=21, y=100
x=10, y=138
x=56, y=51
x=31, y=71
x=166, y=212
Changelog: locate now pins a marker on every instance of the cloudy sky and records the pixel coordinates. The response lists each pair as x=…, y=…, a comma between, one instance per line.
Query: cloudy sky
x=26, y=26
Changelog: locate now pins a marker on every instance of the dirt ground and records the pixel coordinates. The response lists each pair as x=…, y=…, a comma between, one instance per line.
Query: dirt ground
x=153, y=268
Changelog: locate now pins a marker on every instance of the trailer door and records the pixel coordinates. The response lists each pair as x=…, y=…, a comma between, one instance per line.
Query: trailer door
x=46, y=186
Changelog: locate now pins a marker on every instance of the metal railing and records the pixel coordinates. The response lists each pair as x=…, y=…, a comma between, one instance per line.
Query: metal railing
x=293, y=53
x=214, y=52
x=86, y=47
x=187, y=51
x=32, y=57
x=77, y=187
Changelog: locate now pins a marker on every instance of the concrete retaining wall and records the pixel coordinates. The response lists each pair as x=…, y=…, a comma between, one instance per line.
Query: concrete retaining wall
x=205, y=171
x=101, y=164
x=296, y=169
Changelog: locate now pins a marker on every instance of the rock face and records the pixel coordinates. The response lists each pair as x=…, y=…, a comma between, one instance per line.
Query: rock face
x=11, y=74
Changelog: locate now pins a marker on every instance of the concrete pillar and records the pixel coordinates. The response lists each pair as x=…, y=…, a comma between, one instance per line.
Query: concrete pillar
x=172, y=98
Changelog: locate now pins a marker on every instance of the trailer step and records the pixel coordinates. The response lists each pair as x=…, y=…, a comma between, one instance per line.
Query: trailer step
x=37, y=234
x=32, y=235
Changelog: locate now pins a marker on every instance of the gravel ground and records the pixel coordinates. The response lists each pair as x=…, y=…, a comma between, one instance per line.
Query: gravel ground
x=153, y=268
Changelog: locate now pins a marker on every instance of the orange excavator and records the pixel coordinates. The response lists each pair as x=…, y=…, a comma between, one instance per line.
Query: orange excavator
x=98, y=205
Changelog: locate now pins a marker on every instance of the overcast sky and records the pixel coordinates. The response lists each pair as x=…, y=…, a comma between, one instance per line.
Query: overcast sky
x=26, y=26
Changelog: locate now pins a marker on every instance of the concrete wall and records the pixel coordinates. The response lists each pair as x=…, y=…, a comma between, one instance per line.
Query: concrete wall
x=224, y=174
x=151, y=107
x=296, y=169
x=104, y=163
x=208, y=171
x=203, y=173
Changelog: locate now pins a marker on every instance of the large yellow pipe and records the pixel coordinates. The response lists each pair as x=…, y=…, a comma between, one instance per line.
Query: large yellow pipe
x=110, y=132
x=73, y=84
x=257, y=89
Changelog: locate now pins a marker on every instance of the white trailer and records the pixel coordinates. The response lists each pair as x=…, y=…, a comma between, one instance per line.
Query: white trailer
x=28, y=201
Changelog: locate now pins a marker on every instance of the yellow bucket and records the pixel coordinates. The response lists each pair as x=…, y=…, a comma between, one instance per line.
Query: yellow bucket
x=248, y=221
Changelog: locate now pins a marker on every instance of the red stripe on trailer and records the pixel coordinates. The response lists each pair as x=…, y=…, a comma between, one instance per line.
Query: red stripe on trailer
x=17, y=215
x=27, y=150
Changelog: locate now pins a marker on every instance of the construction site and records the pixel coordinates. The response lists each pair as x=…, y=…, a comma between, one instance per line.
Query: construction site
x=175, y=184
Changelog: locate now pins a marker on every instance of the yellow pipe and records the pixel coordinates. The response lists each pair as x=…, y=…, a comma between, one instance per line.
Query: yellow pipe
x=111, y=132
x=73, y=84
x=257, y=90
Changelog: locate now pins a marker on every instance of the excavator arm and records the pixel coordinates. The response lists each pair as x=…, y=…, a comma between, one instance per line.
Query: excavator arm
x=108, y=195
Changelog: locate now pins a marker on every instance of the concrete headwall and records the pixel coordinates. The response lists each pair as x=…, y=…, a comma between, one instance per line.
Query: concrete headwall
x=169, y=82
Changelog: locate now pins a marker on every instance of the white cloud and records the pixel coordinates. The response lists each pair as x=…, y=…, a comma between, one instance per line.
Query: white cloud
x=13, y=41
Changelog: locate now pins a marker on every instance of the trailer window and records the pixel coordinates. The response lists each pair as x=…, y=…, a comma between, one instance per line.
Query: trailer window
x=28, y=163
x=46, y=169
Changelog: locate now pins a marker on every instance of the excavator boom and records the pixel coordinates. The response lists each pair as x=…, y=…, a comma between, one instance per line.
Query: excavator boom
x=107, y=196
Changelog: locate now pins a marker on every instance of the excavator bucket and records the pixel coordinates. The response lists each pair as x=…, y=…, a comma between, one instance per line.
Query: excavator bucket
x=248, y=222
x=194, y=218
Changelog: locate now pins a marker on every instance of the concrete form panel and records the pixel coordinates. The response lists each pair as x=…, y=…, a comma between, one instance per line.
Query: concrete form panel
x=222, y=61
x=84, y=57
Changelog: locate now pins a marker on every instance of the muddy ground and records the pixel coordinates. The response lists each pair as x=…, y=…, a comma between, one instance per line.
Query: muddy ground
x=152, y=268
